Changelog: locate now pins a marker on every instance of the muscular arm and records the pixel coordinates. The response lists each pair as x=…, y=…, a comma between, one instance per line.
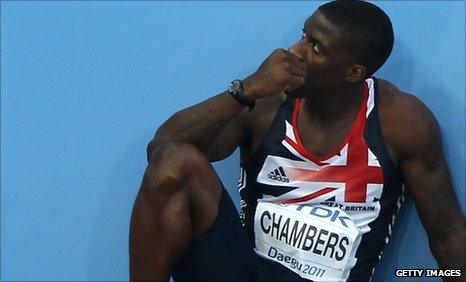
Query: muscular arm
x=215, y=126
x=418, y=143
x=202, y=125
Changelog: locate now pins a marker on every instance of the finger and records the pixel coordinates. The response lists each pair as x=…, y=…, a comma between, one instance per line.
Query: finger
x=295, y=82
x=297, y=64
x=298, y=70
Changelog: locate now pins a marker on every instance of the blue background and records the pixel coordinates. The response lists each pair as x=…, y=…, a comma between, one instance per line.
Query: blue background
x=84, y=85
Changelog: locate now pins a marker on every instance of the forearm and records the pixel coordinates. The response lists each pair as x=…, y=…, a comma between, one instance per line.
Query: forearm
x=450, y=250
x=200, y=124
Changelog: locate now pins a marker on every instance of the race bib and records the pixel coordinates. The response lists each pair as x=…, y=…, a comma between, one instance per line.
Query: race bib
x=317, y=242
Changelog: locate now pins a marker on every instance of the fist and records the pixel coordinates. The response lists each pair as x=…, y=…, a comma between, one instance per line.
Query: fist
x=281, y=71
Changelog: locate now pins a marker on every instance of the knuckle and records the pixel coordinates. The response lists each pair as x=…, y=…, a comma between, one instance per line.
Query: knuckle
x=284, y=77
x=280, y=52
x=286, y=65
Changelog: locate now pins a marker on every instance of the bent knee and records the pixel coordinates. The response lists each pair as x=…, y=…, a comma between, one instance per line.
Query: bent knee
x=173, y=162
x=177, y=155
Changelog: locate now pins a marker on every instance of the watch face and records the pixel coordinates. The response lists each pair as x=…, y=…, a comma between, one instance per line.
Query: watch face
x=235, y=86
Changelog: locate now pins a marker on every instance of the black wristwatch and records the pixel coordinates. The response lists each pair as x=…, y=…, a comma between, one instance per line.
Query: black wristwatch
x=237, y=91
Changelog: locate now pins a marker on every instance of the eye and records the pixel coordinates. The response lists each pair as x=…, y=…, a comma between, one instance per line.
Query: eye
x=315, y=45
x=304, y=33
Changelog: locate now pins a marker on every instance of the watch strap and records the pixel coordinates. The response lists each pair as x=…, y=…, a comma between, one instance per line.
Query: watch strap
x=238, y=94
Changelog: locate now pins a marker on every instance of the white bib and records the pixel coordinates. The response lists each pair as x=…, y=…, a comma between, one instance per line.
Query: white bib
x=317, y=242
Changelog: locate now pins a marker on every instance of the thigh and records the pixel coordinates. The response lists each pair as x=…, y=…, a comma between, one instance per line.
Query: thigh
x=222, y=253
x=269, y=271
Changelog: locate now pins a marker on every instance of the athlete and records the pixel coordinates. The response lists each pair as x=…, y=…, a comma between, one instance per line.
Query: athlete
x=326, y=151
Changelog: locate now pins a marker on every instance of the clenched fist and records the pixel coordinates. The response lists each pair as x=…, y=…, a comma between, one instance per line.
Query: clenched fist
x=281, y=71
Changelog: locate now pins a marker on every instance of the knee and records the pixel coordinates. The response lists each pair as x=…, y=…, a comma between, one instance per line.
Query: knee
x=171, y=163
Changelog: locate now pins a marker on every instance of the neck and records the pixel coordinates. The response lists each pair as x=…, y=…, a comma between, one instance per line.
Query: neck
x=327, y=107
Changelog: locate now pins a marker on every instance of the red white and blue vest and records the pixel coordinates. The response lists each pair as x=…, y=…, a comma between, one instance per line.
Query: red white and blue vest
x=324, y=218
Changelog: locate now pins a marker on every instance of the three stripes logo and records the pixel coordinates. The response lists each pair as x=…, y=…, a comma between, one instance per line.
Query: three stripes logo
x=278, y=174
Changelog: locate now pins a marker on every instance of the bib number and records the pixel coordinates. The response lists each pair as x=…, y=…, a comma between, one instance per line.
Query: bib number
x=317, y=242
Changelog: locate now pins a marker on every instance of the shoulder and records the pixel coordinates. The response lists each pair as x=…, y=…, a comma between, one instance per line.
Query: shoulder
x=408, y=126
x=404, y=105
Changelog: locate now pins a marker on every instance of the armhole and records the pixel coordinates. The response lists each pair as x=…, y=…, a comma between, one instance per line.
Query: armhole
x=281, y=111
x=373, y=131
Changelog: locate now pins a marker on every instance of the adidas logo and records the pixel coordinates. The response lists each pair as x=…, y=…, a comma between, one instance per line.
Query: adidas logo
x=278, y=174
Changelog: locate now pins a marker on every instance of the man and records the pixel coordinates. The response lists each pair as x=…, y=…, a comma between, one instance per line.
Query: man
x=325, y=149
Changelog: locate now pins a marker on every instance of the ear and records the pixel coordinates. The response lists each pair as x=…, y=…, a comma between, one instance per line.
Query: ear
x=356, y=73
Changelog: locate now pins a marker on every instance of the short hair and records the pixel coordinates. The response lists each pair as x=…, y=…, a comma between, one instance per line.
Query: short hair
x=366, y=28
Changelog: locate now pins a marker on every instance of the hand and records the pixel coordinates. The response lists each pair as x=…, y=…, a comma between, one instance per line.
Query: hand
x=281, y=71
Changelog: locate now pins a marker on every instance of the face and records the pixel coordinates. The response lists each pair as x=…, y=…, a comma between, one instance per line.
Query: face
x=322, y=48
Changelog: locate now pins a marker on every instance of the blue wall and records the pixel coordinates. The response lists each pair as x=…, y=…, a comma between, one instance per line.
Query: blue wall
x=84, y=85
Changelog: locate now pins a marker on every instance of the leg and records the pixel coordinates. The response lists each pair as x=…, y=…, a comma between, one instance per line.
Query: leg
x=221, y=254
x=179, y=198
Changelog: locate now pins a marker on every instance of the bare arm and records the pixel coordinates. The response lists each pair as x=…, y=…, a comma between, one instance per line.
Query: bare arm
x=215, y=126
x=202, y=124
x=427, y=176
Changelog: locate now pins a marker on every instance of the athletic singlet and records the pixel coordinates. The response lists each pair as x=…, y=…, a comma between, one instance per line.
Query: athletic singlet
x=324, y=218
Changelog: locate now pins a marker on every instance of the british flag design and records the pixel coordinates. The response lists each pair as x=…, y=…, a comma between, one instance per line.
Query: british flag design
x=358, y=177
